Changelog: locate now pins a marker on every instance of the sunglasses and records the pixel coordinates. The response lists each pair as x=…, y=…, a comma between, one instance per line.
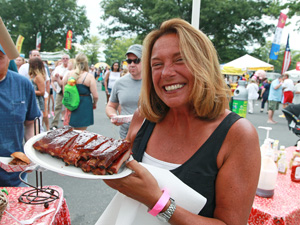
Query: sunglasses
x=136, y=61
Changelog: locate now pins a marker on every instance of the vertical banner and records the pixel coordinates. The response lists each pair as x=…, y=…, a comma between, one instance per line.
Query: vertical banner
x=287, y=59
x=38, y=40
x=69, y=40
x=298, y=66
x=276, y=42
x=19, y=43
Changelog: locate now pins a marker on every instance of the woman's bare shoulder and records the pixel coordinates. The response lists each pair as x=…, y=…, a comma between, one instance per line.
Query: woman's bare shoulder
x=135, y=125
x=39, y=78
x=242, y=134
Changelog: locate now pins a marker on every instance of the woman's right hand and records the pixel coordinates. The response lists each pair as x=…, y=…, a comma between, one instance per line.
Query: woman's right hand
x=140, y=185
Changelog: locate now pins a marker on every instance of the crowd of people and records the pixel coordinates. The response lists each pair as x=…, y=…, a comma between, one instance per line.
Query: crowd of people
x=48, y=80
x=271, y=93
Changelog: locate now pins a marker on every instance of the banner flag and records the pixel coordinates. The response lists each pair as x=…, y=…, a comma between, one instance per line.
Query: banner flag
x=298, y=66
x=277, y=37
x=19, y=43
x=38, y=40
x=287, y=59
x=69, y=40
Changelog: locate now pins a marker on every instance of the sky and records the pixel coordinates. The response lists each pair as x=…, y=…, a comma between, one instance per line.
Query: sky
x=94, y=12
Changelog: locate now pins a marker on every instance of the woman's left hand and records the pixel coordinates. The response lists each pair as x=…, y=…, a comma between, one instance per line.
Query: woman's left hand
x=140, y=185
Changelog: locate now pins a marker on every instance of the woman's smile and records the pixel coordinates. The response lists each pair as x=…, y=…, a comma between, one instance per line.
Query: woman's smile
x=173, y=87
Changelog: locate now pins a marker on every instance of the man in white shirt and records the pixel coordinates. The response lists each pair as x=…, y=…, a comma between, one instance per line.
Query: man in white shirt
x=58, y=75
x=24, y=70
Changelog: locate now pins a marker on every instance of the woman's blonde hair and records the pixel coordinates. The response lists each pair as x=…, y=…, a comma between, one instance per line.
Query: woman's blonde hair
x=81, y=65
x=209, y=96
x=36, y=67
x=73, y=61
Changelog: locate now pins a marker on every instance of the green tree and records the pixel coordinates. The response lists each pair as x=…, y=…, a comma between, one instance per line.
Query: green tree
x=53, y=18
x=91, y=49
x=72, y=52
x=231, y=25
x=117, y=48
x=294, y=10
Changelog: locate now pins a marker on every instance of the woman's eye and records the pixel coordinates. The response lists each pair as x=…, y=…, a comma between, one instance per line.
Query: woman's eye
x=156, y=64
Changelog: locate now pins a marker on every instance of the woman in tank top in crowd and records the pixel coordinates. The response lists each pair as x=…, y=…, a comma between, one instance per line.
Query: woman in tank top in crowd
x=83, y=116
x=111, y=78
x=38, y=76
x=183, y=124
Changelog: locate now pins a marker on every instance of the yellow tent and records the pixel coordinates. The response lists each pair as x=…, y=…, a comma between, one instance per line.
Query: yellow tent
x=101, y=64
x=230, y=70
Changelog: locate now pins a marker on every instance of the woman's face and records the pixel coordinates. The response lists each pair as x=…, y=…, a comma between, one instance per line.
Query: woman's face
x=172, y=79
x=70, y=65
x=115, y=66
x=19, y=61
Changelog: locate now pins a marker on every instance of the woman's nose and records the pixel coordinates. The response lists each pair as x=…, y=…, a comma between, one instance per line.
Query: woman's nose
x=168, y=70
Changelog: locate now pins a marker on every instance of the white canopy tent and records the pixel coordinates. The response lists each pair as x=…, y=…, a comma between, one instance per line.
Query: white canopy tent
x=248, y=62
x=294, y=74
x=52, y=56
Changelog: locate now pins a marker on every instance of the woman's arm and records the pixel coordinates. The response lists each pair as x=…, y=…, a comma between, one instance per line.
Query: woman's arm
x=239, y=167
x=106, y=82
x=66, y=78
x=65, y=81
x=262, y=92
x=93, y=89
x=53, y=78
x=28, y=129
x=40, y=82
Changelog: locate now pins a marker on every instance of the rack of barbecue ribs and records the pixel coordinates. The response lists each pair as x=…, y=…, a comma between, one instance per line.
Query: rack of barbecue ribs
x=89, y=151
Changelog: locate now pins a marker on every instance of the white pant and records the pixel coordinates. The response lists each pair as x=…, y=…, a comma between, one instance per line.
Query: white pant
x=250, y=105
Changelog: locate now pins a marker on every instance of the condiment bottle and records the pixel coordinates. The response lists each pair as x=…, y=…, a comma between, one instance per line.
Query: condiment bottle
x=268, y=174
x=267, y=141
x=295, y=154
x=276, y=151
x=295, y=174
x=282, y=163
x=281, y=150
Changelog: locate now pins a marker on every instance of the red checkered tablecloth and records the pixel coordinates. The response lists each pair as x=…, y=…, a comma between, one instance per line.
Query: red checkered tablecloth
x=283, y=207
x=22, y=211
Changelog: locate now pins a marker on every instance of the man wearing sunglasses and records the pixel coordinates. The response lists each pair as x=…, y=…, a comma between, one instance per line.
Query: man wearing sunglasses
x=125, y=93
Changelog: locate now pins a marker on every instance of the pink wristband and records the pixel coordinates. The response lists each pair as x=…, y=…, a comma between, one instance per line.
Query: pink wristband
x=161, y=203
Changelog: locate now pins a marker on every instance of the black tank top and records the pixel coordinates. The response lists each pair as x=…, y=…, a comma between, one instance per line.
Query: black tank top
x=200, y=171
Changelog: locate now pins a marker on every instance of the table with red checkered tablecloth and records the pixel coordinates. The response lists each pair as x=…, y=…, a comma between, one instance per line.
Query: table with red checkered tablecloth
x=284, y=206
x=22, y=211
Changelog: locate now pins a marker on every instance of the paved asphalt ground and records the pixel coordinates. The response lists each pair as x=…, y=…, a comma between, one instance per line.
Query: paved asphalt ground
x=87, y=199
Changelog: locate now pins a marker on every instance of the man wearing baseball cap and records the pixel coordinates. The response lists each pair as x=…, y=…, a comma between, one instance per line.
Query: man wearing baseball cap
x=18, y=111
x=126, y=91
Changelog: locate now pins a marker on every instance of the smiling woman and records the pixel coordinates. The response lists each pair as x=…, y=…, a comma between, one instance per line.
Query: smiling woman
x=166, y=63
x=194, y=55
x=183, y=125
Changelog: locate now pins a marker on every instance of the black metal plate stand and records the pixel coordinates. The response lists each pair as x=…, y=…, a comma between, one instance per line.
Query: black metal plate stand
x=38, y=194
